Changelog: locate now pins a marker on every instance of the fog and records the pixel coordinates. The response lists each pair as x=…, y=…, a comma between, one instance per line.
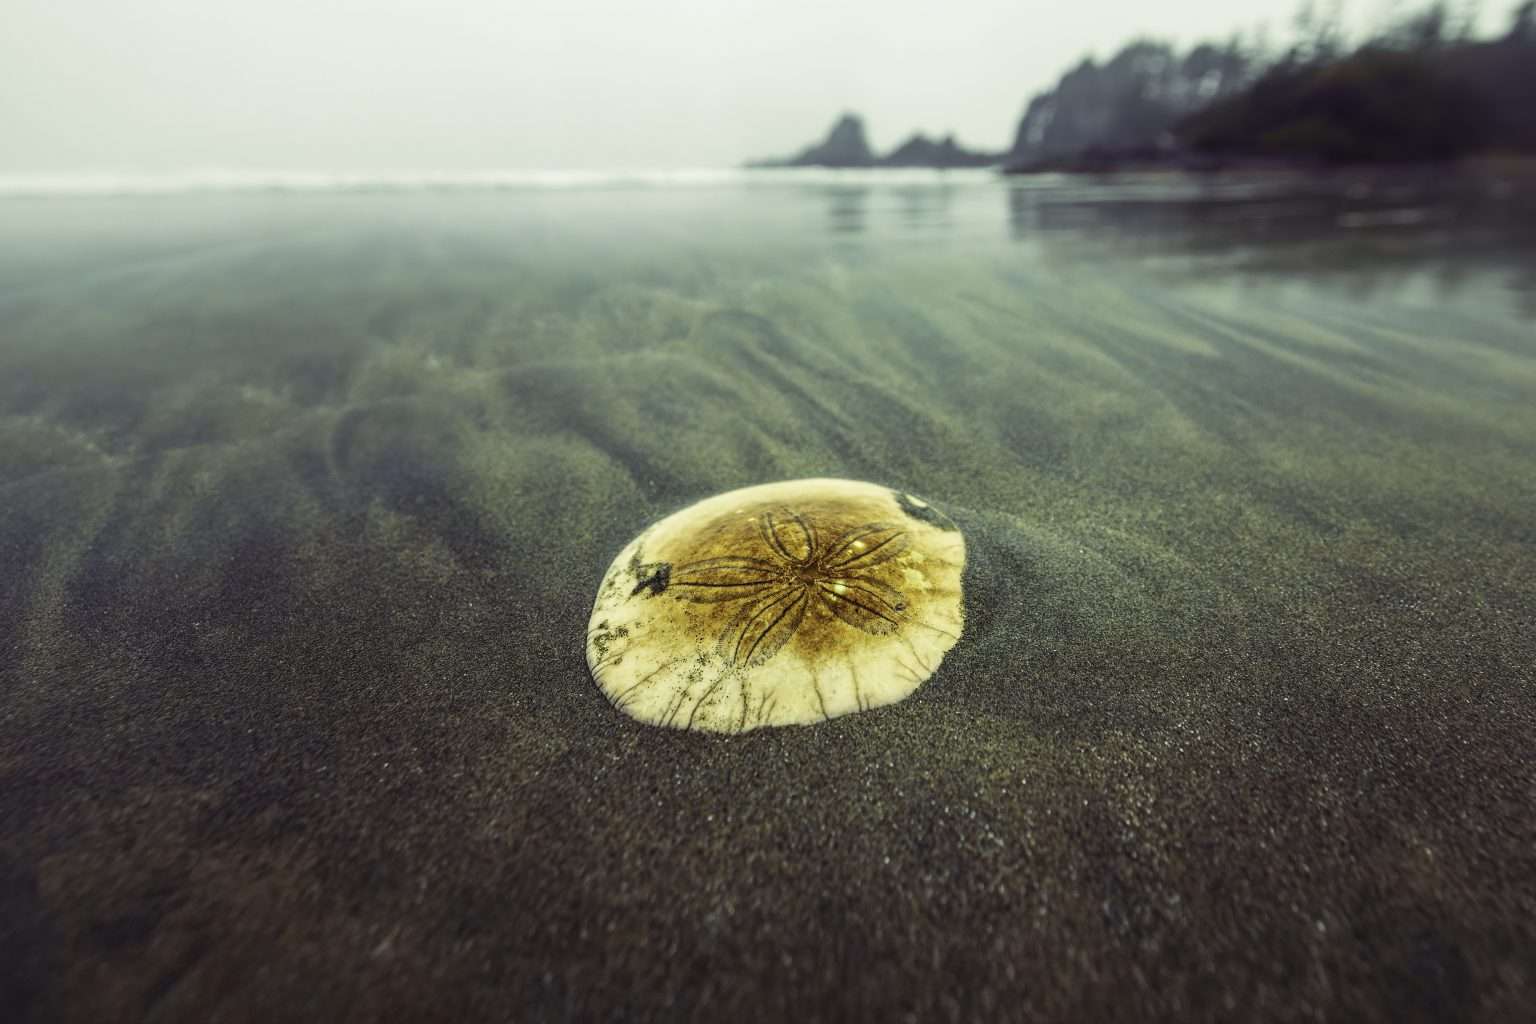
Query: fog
x=344, y=85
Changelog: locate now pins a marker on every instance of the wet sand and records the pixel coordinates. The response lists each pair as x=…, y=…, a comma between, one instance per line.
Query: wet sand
x=303, y=503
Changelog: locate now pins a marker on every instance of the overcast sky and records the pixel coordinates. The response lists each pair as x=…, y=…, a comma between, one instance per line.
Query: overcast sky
x=476, y=85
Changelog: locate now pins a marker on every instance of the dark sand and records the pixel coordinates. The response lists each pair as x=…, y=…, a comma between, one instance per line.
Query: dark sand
x=303, y=501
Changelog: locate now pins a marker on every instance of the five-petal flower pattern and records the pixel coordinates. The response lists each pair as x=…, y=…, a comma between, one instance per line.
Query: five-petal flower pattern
x=796, y=569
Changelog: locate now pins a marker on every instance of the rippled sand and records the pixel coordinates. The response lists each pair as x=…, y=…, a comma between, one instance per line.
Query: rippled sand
x=304, y=499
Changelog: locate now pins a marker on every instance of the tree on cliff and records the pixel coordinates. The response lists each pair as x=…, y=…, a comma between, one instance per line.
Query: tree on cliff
x=1372, y=106
x=1422, y=89
x=1128, y=103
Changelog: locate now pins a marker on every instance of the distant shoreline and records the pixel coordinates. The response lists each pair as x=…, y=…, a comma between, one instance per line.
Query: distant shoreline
x=62, y=186
x=212, y=182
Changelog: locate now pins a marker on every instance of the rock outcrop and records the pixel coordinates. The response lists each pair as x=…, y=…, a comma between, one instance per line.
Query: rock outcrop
x=844, y=146
x=921, y=151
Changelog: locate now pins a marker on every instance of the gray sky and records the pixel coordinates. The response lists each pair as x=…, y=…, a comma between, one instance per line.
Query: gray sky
x=476, y=85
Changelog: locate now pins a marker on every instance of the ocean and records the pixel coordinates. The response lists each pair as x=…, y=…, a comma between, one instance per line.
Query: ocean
x=307, y=483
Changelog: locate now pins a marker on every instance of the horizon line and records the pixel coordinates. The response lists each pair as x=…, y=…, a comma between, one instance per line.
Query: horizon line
x=103, y=183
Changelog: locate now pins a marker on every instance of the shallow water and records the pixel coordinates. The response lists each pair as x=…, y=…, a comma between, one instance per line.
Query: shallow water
x=304, y=497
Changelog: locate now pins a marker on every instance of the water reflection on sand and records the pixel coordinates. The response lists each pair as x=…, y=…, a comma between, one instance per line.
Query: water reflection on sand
x=1367, y=232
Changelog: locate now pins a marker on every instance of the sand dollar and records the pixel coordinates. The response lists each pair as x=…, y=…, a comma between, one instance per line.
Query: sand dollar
x=782, y=604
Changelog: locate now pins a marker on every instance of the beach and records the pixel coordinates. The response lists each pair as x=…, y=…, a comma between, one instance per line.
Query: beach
x=305, y=496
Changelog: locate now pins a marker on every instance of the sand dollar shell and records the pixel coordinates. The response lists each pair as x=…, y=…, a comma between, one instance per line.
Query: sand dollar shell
x=782, y=604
